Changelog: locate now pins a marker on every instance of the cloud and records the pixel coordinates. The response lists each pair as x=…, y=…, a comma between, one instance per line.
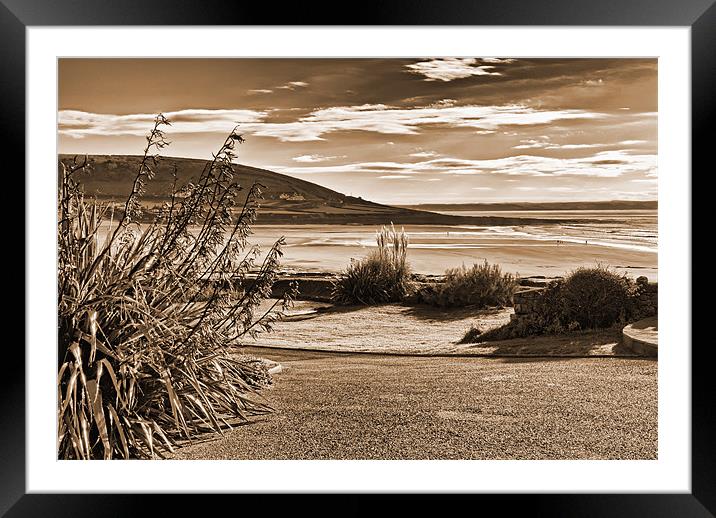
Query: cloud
x=315, y=158
x=543, y=143
x=574, y=146
x=380, y=118
x=593, y=82
x=423, y=154
x=292, y=85
x=531, y=144
x=357, y=167
x=79, y=124
x=443, y=103
x=465, y=172
x=499, y=61
x=377, y=118
x=604, y=164
x=448, y=69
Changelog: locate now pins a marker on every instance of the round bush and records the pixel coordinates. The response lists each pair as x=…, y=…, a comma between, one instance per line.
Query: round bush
x=595, y=297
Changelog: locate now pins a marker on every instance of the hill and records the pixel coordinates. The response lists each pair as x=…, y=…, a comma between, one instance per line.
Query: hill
x=287, y=200
x=111, y=178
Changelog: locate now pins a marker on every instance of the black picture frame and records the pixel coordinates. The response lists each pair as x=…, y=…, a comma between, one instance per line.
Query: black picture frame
x=17, y=15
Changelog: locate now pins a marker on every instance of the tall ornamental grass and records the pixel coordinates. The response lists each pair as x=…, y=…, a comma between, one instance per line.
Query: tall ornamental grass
x=142, y=362
x=382, y=276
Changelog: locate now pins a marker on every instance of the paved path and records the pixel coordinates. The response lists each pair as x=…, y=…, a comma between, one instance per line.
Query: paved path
x=353, y=406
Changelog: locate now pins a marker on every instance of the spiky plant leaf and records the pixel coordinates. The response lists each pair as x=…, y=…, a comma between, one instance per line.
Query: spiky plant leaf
x=146, y=358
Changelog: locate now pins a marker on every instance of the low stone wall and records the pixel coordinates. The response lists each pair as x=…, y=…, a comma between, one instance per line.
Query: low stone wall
x=648, y=296
x=317, y=288
x=526, y=301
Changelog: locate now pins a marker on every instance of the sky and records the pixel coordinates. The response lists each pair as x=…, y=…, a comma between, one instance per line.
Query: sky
x=399, y=131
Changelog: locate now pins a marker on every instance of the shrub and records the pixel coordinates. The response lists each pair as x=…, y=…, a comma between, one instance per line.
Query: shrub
x=382, y=276
x=142, y=361
x=589, y=298
x=596, y=297
x=480, y=285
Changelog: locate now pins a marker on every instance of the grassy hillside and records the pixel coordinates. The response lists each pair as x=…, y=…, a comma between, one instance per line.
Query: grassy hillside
x=112, y=175
x=111, y=178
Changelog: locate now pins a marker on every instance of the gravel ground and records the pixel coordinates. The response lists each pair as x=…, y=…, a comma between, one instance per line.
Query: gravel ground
x=356, y=406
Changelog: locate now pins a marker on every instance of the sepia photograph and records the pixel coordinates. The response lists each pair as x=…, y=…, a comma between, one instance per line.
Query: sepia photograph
x=389, y=258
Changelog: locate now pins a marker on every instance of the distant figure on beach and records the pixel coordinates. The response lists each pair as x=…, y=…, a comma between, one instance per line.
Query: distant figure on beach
x=585, y=242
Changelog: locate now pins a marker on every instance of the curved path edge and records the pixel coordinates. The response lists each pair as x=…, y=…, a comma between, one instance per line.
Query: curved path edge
x=456, y=354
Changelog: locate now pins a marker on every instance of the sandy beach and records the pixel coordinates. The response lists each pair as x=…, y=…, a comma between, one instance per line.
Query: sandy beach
x=624, y=240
